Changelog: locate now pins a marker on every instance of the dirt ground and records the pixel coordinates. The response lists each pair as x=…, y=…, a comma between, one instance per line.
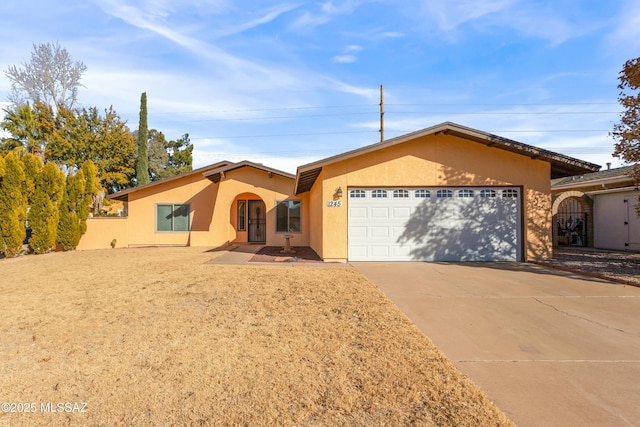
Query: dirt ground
x=160, y=336
x=618, y=266
x=277, y=254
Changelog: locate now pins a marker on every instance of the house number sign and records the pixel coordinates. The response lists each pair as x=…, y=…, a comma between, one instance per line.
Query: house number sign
x=334, y=203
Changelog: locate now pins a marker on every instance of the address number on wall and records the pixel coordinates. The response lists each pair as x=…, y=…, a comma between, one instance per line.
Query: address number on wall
x=334, y=203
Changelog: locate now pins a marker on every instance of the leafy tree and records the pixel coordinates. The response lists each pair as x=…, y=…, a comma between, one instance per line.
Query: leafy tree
x=73, y=212
x=106, y=141
x=627, y=132
x=115, y=155
x=50, y=77
x=29, y=129
x=13, y=205
x=66, y=143
x=180, y=155
x=158, y=156
x=44, y=213
x=169, y=158
x=142, y=158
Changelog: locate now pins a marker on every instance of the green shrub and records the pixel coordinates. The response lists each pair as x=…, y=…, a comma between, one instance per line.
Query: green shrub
x=91, y=189
x=32, y=168
x=13, y=205
x=44, y=213
x=72, y=208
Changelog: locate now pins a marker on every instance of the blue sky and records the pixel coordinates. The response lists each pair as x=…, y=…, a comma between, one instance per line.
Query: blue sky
x=287, y=83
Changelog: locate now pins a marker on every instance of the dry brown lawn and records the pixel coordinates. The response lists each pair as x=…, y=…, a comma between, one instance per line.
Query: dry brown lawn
x=160, y=336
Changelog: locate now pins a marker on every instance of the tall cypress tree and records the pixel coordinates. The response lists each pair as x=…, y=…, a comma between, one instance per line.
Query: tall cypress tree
x=142, y=161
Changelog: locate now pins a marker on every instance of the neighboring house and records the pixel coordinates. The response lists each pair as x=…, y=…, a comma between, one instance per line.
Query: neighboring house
x=597, y=209
x=445, y=193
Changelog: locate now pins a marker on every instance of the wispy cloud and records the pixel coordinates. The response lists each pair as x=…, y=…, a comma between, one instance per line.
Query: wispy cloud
x=309, y=20
x=552, y=21
x=348, y=54
x=625, y=37
x=268, y=16
x=345, y=59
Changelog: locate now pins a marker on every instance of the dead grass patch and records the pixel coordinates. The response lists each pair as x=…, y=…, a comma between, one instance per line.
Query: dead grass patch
x=161, y=337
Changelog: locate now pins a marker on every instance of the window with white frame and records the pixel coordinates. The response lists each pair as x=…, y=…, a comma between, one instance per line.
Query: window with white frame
x=444, y=193
x=172, y=217
x=487, y=193
x=357, y=194
x=288, y=216
x=422, y=194
x=379, y=194
x=465, y=193
x=400, y=194
x=509, y=192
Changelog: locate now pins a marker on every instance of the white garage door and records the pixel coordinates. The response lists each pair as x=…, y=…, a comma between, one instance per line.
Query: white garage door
x=434, y=224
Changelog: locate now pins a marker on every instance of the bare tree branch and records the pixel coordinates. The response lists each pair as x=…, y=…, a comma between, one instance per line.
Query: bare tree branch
x=50, y=77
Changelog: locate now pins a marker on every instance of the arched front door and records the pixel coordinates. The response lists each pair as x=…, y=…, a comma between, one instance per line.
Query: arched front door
x=257, y=221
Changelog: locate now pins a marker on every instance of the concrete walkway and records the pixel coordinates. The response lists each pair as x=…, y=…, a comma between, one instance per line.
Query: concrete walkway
x=550, y=348
x=236, y=254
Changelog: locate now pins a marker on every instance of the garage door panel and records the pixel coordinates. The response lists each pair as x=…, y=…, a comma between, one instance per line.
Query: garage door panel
x=379, y=251
x=471, y=228
x=397, y=232
x=358, y=252
x=377, y=231
x=357, y=231
x=356, y=213
x=380, y=213
x=402, y=251
x=400, y=213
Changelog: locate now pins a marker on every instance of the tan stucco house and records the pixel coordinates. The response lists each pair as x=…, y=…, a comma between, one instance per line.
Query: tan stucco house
x=444, y=193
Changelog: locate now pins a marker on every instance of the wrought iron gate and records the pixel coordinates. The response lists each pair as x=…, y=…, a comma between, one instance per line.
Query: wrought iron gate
x=572, y=228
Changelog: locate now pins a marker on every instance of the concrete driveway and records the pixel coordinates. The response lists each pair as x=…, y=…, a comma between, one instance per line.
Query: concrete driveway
x=549, y=348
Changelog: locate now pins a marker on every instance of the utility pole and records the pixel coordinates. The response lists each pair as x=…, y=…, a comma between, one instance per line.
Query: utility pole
x=381, y=113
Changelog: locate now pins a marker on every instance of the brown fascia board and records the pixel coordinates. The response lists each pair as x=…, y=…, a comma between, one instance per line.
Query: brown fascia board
x=215, y=174
x=124, y=194
x=561, y=165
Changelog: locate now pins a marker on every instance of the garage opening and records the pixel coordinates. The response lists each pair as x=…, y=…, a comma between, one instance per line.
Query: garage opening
x=435, y=224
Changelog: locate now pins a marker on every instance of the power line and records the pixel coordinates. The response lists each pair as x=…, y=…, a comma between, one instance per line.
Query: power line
x=265, y=118
x=501, y=113
x=251, y=110
x=564, y=150
x=505, y=113
x=400, y=132
x=514, y=104
x=283, y=134
x=435, y=104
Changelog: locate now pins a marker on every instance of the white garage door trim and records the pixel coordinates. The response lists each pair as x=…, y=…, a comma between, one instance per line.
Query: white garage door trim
x=435, y=224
